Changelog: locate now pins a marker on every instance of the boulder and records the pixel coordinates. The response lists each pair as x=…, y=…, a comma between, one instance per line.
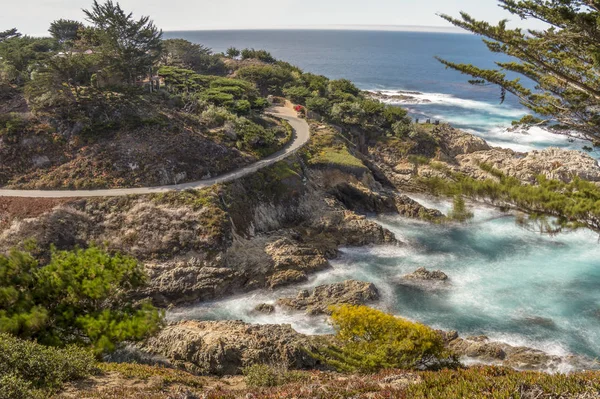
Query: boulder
x=349, y=292
x=455, y=142
x=408, y=207
x=425, y=275
x=265, y=308
x=226, y=347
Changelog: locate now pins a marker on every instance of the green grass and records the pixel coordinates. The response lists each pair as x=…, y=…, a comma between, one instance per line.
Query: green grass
x=337, y=157
x=327, y=149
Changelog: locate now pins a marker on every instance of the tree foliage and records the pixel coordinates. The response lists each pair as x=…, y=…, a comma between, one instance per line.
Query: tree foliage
x=77, y=297
x=8, y=34
x=571, y=205
x=184, y=54
x=19, y=56
x=563, y=61
x=368, y=340
x=65, y=30
x=129, y=47
x=459, y=211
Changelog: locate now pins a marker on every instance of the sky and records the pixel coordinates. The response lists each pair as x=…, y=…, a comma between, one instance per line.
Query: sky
x=34, y=16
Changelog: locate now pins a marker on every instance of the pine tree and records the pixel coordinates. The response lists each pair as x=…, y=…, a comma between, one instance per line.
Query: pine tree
x=563, y=61
x=130, y=46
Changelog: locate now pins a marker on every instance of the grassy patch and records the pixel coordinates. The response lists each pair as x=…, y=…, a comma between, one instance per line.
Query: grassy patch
x=195, y=199
x=328, y=149
x=262, y=375
x=162, y=376
x=501, y=383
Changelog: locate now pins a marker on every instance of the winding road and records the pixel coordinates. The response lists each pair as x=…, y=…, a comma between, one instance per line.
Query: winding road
x=299, y=139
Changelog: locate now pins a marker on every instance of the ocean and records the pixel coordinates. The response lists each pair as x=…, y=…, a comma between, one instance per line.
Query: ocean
x=399, y=62
x=511, y=284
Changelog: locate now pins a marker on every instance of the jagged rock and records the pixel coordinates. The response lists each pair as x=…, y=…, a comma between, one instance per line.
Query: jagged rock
x=408, y=207
x=226, y=347
x=287, y=277
x=554, y=163
x=455, y=142
x=481, y=349
x=265, y=308
x=349, y=292
x=426, y=275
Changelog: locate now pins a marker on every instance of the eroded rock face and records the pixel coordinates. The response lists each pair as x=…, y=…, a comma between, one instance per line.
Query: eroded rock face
x=350, y=292
x=425, y=275
x=226, y=347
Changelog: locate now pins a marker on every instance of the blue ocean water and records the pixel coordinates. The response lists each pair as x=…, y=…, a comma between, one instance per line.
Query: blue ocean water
x=511, y=284
x=400, y=61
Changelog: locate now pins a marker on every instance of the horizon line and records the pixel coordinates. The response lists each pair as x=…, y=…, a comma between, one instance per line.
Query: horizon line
x=340, y=27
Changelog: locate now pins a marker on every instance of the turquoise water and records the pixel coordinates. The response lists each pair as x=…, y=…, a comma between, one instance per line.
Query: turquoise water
x=508, y=283
x=511, y=284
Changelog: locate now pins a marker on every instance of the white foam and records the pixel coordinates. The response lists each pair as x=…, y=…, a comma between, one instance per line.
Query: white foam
x=417, y=98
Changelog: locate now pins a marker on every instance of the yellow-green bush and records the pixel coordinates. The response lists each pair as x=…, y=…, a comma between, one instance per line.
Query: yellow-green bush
x=368, y=340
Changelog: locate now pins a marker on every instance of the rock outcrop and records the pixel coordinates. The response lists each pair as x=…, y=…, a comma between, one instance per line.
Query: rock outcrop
x=350, y=292
x=265, y=308
x=226, y=347
x=554, y=163
x=423, y=274
x=454, y=142
x=482, y=349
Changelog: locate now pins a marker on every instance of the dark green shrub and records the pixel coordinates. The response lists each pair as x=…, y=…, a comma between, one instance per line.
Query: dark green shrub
x=242, y=107
x=77, y=297
x=297, y=94
x=344, y=86
x=319, y=105
x=269, y=79
x=260, y=55
x=218, y=97
x=29, y=370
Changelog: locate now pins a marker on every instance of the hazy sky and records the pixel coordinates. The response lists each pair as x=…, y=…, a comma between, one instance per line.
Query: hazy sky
x=34, y=16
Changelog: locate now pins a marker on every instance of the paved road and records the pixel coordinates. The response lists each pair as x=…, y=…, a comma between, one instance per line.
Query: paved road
x=300, y=138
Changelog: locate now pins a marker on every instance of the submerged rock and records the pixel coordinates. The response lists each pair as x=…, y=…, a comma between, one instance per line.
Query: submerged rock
x=226, y=347
x=349, y=292
x=265, y=308
x=425, y=275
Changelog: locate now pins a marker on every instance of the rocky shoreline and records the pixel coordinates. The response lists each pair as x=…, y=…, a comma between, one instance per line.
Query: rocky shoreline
x=226, y=347
x=234, y=239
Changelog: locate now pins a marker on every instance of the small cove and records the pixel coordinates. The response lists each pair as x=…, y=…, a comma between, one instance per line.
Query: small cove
x=511, y=284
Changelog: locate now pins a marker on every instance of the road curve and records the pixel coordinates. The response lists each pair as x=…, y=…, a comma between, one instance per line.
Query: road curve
x=299, y=139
